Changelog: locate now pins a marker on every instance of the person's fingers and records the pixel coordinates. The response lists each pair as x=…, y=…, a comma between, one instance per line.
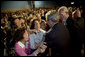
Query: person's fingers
x=37, y=51
x=44, y=42
x=44, y=46
x=42, y=50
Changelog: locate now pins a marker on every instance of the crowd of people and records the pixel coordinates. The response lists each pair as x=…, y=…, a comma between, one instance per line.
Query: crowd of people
x=43, y=32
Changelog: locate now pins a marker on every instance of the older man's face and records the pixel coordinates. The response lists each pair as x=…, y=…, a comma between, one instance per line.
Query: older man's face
x=63, y=15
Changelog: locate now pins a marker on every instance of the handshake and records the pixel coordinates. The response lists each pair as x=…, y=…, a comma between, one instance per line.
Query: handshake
x=41, y=48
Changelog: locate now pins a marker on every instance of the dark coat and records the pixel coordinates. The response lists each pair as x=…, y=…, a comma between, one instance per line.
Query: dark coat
x=80, y=26
x=75, y=42
x=58, y=40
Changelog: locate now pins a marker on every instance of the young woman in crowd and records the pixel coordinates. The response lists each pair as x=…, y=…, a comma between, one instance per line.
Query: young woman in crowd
x=43, y=25
x=37, y=37
x=21, y=37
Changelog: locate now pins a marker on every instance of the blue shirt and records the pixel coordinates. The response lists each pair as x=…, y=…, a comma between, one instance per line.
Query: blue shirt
x=36, y=38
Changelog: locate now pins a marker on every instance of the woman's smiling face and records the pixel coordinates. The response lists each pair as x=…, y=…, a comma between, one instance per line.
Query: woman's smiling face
x=25, y=35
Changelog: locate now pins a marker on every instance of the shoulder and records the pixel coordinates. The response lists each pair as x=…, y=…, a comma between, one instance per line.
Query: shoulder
x=32, y=35
x=55, y=26
x=19, y=45
x=69, y=19
x=16, y=44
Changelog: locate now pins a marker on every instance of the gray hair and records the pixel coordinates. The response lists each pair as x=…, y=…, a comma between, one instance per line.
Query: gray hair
x=63, y=8
x=52, y=15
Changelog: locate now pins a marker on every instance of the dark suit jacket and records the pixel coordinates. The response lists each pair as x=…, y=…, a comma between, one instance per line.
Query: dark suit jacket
x=74, y=30
x=58, y=39
x=80, y=26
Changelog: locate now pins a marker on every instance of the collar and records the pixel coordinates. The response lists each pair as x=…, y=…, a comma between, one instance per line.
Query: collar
x=51, y=27
x=21, y=44
x=54, y=24
x=65, y=21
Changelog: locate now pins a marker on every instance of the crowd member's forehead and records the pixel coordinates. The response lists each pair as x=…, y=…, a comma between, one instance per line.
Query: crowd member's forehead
x=16, y=20
x=36, y=21
x=22, y=20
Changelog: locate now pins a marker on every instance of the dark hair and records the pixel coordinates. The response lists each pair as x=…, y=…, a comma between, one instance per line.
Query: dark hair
x=33, y=23
x=18, y=35
x=11, y=19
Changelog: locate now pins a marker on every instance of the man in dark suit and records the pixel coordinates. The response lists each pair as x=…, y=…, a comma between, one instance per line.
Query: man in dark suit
x=57, y=38
x=75, y=41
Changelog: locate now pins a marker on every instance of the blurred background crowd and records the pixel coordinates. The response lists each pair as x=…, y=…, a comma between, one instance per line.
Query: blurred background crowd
x=35, y=19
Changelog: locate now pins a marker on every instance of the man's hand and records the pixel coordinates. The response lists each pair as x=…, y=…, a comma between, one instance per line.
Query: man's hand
x=43, y=48
x=37, y=52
